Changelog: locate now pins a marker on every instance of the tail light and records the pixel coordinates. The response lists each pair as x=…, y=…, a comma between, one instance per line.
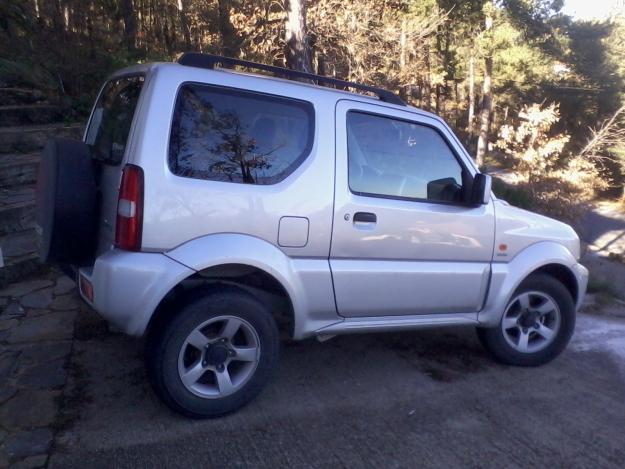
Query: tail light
x=129, y=225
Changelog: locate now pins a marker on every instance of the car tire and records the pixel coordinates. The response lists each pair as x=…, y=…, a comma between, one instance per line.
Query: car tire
x=185, y=372
x=536, y=326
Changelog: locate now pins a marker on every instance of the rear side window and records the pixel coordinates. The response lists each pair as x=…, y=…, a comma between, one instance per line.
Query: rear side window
x=221, y=134
x=112, y=117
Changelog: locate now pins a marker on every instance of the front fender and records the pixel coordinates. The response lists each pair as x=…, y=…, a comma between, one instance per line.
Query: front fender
x=506, y=277
x=307, y=281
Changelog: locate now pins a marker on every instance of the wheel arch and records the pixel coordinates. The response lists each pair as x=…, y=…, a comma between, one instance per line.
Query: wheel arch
x=564, y=275
x=545, y=257
x=250, y=279
x=253, y=264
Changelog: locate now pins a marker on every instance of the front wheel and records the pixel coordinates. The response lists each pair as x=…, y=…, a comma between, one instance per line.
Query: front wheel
x=215, y=355
x=536, y=326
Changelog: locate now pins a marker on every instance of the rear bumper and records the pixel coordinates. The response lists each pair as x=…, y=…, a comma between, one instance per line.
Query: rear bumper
x=128, y=286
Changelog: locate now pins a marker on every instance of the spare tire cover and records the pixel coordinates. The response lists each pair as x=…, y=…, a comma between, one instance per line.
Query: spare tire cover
x=66, y=202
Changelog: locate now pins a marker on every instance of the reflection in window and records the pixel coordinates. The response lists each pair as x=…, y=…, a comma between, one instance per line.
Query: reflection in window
x=395, y=158
x=112, y=118
x=234, y=136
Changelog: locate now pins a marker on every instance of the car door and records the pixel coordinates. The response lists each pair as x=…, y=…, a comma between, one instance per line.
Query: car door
x=404, y=240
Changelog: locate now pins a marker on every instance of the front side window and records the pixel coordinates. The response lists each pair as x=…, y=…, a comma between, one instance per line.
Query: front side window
x=221, y=134
x=112, y=117
x=395, y=158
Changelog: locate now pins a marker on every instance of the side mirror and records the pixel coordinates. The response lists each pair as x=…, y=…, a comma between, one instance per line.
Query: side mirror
x=480, y=192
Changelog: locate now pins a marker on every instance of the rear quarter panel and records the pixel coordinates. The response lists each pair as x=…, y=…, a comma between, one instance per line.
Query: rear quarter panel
x=179, y=209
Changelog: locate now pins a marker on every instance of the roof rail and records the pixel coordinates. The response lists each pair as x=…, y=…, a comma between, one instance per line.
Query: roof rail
x=197, y=59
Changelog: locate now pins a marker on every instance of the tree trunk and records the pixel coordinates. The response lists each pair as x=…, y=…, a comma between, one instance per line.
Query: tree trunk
x=184, y=22
x=297, y=53
x=487, y=106
x=471, y=117
x=321, y=65
x=487, y=97
x=130, y=25
x=458, y=104
x=403, y=90
x=57, y=17
x=66, y=18
x=89, y=21
x=230, y=42
x=169, y=37
x=438, y=99
x=426, y=99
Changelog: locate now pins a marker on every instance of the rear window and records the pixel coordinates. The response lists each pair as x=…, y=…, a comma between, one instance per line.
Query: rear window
x=111, y=119
x=222, y=134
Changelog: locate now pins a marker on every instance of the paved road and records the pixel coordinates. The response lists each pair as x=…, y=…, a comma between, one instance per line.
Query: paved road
x=425, y=399
x=604, y=228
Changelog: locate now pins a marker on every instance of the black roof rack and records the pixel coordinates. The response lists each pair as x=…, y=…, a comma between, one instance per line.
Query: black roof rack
x=197, y=59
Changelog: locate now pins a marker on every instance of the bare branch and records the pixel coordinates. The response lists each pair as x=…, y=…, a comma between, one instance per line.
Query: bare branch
x=609, y=134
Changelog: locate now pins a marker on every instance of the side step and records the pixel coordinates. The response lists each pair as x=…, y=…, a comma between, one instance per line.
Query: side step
x=396, y=323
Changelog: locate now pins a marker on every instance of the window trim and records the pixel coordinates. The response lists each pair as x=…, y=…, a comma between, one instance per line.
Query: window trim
x=465, y=174
x=307, y=106
x=134, y=116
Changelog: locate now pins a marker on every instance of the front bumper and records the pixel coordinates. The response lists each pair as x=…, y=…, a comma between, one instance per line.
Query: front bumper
x=581, y=274
x=128, y=286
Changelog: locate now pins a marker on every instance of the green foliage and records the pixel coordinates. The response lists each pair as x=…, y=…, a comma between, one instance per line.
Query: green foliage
x=532, y=148
x=534, y=19
x=420, y=49
x=515, y=195
x=23, y=72
x=521, y=69
x=557, y=183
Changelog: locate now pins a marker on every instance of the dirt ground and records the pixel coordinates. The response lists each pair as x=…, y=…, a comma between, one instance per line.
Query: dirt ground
x=419, y=399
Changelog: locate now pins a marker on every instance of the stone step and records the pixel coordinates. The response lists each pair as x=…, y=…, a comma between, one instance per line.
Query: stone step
x=17, y=268
x=19, y=244
x=17, y=209
x=9, y=95
x=23, y=139
x=20, y=256
x=27, y=114
x=18, y=169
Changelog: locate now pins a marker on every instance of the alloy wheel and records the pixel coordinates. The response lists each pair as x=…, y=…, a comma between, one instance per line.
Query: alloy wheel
x=531, y=322
x=218, y=357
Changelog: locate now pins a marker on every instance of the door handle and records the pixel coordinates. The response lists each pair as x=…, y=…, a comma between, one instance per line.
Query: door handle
x=365, y=217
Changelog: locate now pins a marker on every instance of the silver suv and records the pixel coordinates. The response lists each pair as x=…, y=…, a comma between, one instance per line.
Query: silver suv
x=212, y=211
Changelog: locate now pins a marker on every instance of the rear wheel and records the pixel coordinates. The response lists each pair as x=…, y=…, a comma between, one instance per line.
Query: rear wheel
x=215, y=355
x=536, y=326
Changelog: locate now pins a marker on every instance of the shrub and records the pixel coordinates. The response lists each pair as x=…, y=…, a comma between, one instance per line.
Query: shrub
x=547, y=179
